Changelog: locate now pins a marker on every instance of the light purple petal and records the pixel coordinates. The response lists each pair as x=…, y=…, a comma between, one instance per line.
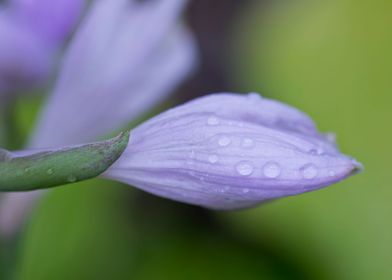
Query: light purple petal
x=53, y=20
x=126, y=58
x=14, y=207
x=221, y=152
x=25, y=59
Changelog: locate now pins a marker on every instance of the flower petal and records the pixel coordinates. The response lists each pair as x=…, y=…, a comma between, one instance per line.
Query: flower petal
x=113, y=72
x=25, y=59
x=14, y=207
x=53, y=20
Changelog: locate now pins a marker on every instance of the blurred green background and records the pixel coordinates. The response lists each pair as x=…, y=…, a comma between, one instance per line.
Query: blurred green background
x=333, y=60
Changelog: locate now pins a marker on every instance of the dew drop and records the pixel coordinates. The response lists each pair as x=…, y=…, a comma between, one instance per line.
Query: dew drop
x=213, y=120
x=254, y=96
x=223, y=190
x=71, y=179
x=245, y=190
x=309, y=171
x=224, y=141
x=49, y=171
x=247, y=143
x=272, y=170
x=244, y=168
x=331, y=173
x=317, y=151
x=213, y=158
x=331, y=137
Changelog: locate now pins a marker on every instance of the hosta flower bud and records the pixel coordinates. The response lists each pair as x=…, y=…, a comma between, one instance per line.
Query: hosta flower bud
x=228, y=151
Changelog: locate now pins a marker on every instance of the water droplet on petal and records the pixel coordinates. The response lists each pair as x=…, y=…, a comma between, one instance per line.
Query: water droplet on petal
x=272, y=170
x=309, y=171
x=247, y=143
x=213, y=120
x=254, y=96
x=331, y=173
x=245, y=190
x=223, y=190
x=224, y=141
x=213, y=158
x=244, y=168
x=316, y=151
x=331, y=137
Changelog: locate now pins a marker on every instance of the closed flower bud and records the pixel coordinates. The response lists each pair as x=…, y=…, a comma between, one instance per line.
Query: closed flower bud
x=228, y=151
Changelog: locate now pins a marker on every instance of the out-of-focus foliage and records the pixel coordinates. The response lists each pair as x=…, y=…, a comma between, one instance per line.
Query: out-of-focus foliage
x=333, y=60
x=90, y=232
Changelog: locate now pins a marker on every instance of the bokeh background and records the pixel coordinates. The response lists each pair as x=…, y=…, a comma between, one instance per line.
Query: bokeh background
x=333, y=60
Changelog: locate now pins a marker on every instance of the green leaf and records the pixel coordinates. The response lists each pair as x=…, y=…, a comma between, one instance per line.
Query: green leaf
x=59, y=167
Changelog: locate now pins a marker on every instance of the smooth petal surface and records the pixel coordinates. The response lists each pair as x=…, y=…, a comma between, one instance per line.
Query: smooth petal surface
x=24, y=59
x=126, y=57
x=52, y=20
x=228, y=151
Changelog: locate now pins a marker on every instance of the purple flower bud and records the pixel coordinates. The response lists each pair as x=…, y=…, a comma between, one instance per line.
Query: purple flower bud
x=52, y=20
x=228, y=151
x=126, y=57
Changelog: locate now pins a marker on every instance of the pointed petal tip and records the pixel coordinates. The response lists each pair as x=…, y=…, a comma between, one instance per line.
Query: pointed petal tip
x=350, y=168
x=357, y=167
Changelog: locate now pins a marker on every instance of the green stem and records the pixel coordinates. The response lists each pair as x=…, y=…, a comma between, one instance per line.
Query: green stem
x=53, y=168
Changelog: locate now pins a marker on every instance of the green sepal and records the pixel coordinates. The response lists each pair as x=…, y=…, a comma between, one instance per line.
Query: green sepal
x=53, y=168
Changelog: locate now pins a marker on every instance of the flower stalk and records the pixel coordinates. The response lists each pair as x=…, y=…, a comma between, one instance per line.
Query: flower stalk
x=47, y=169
